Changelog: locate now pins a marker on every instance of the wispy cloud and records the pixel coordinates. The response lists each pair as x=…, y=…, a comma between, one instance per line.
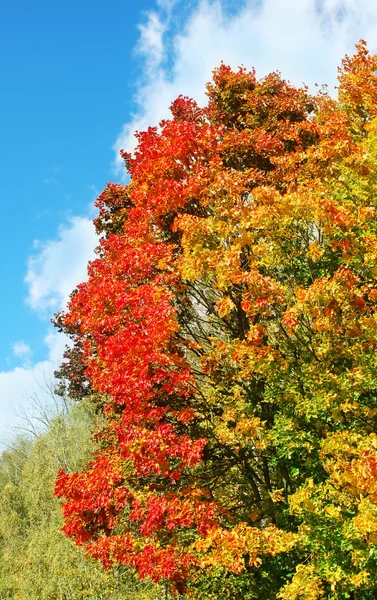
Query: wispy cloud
x=50, y=178
x=151, y=43
x=29, y=386
x=303, y=39
x=23, y=351
x=54, y=270
x=59, y=265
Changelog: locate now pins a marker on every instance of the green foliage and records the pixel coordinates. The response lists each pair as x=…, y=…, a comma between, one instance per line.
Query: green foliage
x=37, y=561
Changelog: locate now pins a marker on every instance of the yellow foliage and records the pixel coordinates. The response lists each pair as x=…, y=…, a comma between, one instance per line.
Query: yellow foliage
x=227, y=548
x=305, y=585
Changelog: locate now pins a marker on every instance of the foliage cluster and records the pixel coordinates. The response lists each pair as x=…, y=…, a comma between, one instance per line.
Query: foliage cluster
x=229, y=328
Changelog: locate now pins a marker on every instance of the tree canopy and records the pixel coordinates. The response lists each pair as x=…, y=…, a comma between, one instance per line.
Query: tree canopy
x=228, y=329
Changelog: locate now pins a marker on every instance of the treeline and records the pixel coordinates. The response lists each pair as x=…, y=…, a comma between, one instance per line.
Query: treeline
x=37, y=561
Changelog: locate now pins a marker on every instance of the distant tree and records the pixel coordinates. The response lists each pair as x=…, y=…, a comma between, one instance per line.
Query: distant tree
x=37, y=561
x=229, y=325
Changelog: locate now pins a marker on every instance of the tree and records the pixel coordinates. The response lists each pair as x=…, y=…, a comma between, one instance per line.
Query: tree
x=228, y=325
x=37, y=562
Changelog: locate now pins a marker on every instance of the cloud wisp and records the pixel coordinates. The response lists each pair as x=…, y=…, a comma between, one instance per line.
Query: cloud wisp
x=22, y=351
x=59, y=265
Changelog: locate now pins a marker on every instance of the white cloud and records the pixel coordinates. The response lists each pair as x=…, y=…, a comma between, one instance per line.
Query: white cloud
x=167, y=5
x=23, y=352
x=53, y=272
x=21, y=349
x=151, y=45
x=303, y=39
x=60, y=265
x=27, y=390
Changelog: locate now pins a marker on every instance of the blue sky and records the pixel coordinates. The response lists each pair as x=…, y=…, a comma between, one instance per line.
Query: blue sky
x=77, y=79
x=67, y=77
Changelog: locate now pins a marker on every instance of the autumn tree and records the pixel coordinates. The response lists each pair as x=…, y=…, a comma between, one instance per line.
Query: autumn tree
x=229, y=328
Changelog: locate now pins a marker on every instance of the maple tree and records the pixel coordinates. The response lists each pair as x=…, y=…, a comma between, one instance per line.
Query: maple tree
x=228, y=329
